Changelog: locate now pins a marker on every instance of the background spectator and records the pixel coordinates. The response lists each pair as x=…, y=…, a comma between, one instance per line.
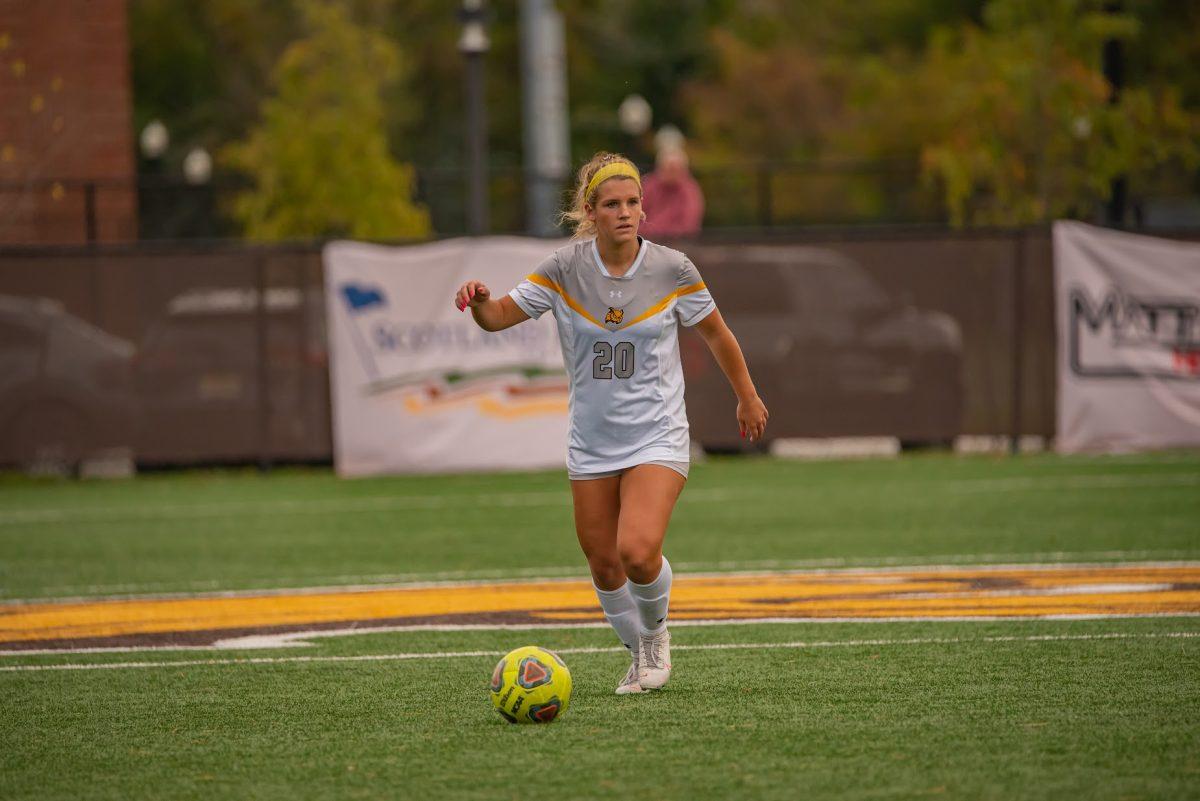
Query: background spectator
x=672, y=199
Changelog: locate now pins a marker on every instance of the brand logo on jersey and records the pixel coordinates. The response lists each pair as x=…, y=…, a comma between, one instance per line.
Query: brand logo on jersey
x=614, y=316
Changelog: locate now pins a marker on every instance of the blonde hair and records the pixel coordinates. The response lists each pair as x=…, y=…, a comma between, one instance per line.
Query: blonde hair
x=575, y=215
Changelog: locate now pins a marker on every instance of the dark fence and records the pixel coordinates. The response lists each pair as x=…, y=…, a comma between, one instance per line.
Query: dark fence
x=923, y=336
x=184, y=354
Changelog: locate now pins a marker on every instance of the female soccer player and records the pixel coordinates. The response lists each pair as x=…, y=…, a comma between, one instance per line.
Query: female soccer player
x=618, y=301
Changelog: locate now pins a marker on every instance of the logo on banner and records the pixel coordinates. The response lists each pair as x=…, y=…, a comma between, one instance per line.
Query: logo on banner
x=359, y=297
x=391, y=348
x=1119, y=335
x=366, y=304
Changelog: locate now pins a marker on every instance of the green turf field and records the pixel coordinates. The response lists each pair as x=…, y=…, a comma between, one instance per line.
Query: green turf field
x=235, y=530
x=1015, y=709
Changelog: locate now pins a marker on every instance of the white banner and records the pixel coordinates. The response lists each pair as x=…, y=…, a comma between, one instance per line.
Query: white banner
x=1128, y=313
x=416, y=385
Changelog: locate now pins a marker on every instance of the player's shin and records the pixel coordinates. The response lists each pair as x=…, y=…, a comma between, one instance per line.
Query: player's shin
x=653, y=599
x=654, y=643
x=621, y=613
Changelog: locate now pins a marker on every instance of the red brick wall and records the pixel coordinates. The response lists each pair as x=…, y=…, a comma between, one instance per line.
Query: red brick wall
x=65, y=121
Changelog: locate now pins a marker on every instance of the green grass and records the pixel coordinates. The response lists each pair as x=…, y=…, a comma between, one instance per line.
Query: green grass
x=988, y=710
x=232, y=530
x=976, y=719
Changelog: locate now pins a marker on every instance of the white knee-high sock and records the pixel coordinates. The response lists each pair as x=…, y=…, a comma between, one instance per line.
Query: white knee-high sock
x=621, y=613
x=652, y=599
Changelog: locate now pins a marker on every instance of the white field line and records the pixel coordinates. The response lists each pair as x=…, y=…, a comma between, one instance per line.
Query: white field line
x=303, y=639
x=276, y=660
x=465, y=578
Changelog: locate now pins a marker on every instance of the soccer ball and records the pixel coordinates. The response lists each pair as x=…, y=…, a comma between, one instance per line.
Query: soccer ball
x=531, y=685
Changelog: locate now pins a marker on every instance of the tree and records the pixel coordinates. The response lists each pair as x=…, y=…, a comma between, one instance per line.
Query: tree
x=782, y=92
x=1001, y=106
x=1012, y=120
x=624, y=47
x=203, y=67
x=319, y=154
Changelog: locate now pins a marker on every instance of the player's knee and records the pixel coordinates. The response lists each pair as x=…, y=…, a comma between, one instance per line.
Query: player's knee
x=639, y=558
x=607, y=571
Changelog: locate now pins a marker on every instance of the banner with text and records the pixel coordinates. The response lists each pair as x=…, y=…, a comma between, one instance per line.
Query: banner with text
x=1128, y=340
x=416, y=385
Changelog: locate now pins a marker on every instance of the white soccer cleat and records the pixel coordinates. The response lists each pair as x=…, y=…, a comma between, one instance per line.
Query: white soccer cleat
x=629, y=685
x=654, y=660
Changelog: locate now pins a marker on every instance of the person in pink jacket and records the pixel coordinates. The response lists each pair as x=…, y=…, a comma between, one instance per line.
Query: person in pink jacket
x=672, y=199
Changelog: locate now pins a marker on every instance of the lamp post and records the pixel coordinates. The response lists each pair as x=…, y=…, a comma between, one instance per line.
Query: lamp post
x=154, y=141
x=1113, y=62
x=473, y=44
x=544, y=114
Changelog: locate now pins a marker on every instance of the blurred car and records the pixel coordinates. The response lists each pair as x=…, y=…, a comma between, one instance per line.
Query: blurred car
x=220, y=382
x=65, y=387
x=831, y=352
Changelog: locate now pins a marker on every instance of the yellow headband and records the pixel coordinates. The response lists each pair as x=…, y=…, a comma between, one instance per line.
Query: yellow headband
x=612, y=170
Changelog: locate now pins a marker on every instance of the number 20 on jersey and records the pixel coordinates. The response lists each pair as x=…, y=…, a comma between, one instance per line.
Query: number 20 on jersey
x=612, y=361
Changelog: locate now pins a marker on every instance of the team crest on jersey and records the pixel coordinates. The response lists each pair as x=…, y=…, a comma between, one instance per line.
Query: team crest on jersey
x=614, y=316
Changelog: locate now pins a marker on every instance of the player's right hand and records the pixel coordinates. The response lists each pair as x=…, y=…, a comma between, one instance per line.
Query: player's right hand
x=472, y=293
x=752, y=418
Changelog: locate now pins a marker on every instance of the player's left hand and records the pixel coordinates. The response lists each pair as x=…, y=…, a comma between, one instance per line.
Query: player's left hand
x=752, y=418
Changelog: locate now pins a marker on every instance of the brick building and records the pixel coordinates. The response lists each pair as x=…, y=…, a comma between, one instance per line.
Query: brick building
x=67, y=167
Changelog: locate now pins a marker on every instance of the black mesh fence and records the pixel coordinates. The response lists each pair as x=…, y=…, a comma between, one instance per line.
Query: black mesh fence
x=182, y=354
x=178, y=355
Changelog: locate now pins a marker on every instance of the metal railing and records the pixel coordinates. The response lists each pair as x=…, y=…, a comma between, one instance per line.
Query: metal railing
x=758, y=195
x=753, y=195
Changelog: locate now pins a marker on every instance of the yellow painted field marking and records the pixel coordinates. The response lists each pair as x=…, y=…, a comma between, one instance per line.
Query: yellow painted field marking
x=924, y=593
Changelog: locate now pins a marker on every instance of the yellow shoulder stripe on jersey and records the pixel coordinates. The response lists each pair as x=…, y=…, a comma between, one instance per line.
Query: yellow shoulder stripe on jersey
x=574, y=304
x=662, y=304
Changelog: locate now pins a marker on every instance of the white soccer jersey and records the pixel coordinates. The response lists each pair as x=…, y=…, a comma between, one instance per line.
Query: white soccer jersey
x=620, y=345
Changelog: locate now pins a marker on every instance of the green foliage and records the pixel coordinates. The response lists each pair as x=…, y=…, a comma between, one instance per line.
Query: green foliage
x=1013, y=121
x=172, y=60
x=319, y=155
x=765, y=104
x=999, y=104
x=203, y=67
x=624, y=47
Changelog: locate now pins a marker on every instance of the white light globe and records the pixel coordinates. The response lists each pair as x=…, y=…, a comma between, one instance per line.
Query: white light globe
x=197, y=166
x=155, y=139
x=634, y=115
